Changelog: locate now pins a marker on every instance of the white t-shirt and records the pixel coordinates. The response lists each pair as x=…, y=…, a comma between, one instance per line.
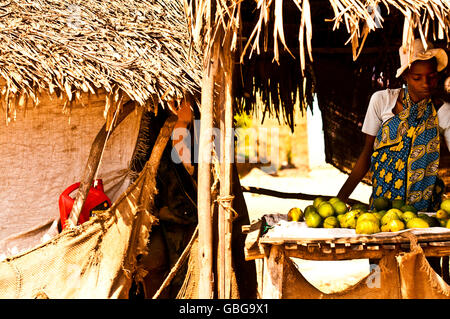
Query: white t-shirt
x=380, y=110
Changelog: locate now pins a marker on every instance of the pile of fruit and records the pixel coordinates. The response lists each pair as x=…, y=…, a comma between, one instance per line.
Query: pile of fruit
x=387, y=216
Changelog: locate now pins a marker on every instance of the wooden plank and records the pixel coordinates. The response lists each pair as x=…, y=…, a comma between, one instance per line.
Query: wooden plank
x=326, y=249
x=278, y=242
x=252, y=254
x=349, y=254
x=254, y=226
x=340, y=249
x=273, y=273
x=245, y=229
x=314, y=251
x=290, y=246
x=387, y=239
x=436, y=251
x=312, y=247
x=439, y=243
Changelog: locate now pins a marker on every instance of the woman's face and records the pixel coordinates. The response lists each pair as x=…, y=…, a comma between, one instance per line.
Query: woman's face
x=422, y=79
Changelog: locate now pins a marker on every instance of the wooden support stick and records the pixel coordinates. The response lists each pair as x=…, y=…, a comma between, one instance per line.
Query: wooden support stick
x=147, y=180
x=93, y=162
x=178, y=264
x=227, y=157
x=205, y=236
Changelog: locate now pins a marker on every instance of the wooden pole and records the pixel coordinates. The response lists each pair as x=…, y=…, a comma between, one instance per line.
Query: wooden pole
x=205, y=236
x=220, y=264
x=178, y=265
x=227, y=158
x=303, y=196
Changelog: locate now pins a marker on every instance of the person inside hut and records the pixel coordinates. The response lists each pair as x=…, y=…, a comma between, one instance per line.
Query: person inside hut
x=402, y=130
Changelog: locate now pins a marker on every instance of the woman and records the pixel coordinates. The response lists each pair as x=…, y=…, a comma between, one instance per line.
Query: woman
x=402, y=128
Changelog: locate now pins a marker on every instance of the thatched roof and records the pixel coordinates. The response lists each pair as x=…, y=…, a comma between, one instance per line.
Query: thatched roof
x=279, y=42
x=359, y=17
x=141, y=48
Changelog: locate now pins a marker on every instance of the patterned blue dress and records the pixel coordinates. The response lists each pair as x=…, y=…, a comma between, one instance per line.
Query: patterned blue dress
x=405, y=160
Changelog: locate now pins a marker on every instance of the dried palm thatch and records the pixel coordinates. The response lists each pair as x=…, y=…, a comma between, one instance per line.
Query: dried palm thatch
x=140, y=49
x=267, y=33
x=428, y=17
x=279, y=95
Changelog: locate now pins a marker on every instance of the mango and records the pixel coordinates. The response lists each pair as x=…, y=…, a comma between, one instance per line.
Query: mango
x=417, y=223
x=295, y=214
x=313, y=220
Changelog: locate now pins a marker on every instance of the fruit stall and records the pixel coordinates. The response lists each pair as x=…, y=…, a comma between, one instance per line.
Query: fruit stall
x=400, y=240
x=283, y=75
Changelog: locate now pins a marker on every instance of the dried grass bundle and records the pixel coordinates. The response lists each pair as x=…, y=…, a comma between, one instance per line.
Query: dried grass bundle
x=141, y=49
x=429, y=17
x=206, y=17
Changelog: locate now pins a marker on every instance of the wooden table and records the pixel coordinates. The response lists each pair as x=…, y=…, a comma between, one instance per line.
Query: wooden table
x=274, y=251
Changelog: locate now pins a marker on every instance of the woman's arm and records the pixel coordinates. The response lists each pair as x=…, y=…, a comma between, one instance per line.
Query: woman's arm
x=359, y=170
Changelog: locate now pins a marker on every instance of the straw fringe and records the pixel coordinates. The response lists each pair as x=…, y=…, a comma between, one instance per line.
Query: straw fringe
x=140, y=47
x=429, y=17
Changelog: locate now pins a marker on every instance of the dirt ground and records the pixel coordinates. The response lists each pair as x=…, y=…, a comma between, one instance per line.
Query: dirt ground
x=327, y=276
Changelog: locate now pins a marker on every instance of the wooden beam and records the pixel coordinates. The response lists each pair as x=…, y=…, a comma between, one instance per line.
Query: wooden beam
x=302, y=196
x=205, y=236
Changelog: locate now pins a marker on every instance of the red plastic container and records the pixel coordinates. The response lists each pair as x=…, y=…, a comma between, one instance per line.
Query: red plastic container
x=96, y=200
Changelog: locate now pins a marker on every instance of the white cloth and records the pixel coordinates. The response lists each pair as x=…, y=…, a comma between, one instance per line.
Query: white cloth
x=380, y=110
x=45, y=151
x=300, y=231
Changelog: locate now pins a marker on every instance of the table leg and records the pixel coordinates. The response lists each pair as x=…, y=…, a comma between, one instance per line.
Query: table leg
x=273, y=272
